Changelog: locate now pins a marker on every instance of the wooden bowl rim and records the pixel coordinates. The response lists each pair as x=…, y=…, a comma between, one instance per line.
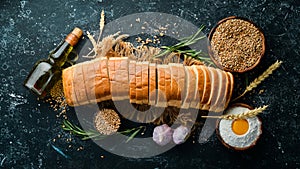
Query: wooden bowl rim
x=211, y=54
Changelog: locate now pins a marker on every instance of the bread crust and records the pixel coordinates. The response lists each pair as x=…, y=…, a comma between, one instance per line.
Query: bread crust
x=68, y=88
x=103, y=79
x=207, y=90
x=132, y=81
x=173, y=98
x=161, y=95
x=152, y=84
x=139, y=84
x=220, y=106
x=145, y=84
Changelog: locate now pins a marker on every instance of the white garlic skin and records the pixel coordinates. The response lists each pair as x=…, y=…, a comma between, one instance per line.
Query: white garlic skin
x=180, y=134
x=162, y=135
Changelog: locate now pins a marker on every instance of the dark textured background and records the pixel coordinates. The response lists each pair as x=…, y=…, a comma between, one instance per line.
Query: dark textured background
x=30, y=29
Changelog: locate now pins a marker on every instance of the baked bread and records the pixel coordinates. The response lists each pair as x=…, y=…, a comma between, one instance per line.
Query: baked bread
x=103, y=79
x=207, y=90
x=138, y=87
x=152, y=84
x=173, y=97
x=168, y=84
x=132, y=81
x=220, y=104
x=68, y=87
x=145, y=82
x=161, y=93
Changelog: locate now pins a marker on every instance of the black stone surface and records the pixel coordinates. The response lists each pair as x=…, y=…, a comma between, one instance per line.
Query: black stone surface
x=30, y=29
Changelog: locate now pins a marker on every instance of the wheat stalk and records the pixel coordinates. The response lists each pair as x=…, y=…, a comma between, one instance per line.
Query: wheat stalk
x=261, y=78
x=243, y=115
x=101, y=25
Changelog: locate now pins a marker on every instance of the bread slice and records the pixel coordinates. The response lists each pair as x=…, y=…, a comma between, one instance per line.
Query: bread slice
x=138, y=87
x=79, y=85
x=103, y=90
x=132, y=81
x=181, y=76
x=168, y=84
x=114, y=66
x=200, y=78
x=152, y=83
x=89, y=74
x=188, y=92
x=220, y=106
x=67, y=79
x=191, y=99
x=231, y=85
x=161, y=97
x=215, y=89
x=207, y=90
x=145, y=82
x=121, y=66
x=173, y=97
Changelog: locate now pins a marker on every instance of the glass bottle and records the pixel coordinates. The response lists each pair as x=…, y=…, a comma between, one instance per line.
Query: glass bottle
x=47, y=72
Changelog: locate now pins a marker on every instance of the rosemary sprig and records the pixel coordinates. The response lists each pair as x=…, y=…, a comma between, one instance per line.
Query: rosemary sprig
x=244, y=115
x=68, y=126
x=185, y=42
x=261, y=78
x=89, y=134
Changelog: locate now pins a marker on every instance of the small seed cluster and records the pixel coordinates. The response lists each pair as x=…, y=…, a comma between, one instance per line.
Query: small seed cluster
x=237, y=44
x=57, y=100
x=107, y=121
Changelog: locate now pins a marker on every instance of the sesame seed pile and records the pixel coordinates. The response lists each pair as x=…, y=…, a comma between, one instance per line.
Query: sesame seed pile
x=237, y=44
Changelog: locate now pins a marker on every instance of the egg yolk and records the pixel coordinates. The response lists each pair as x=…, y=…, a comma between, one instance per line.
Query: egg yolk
x=240, y=126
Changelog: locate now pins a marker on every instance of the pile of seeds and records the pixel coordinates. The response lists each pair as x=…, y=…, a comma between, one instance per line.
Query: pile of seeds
x=237, y=44
x=57, y=100
x=107, y=121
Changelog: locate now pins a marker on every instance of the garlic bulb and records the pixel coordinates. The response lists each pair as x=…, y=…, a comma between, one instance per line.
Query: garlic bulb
x=180, y=134
x=162, y=134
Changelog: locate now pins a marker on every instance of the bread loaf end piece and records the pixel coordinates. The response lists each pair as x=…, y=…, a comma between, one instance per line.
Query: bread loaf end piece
x=68, y=88
x=89, y=74
x=79, y=85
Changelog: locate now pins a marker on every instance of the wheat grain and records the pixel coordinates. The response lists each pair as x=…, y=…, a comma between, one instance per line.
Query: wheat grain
x=259, y=79
x=243, y=115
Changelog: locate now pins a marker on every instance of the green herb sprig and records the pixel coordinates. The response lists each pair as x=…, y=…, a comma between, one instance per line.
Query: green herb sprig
x=185, y=42
x=93, y=134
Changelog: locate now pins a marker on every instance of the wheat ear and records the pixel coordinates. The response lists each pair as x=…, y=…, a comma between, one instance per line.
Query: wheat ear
x=101, y=25
x=261, y=78
x=244, y=115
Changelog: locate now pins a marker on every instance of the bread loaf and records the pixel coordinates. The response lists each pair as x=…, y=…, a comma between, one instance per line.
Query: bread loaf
x=175, y=85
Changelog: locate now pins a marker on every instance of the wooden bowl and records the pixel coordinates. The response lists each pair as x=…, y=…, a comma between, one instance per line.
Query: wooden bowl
x=214, y=57
x=238, y=148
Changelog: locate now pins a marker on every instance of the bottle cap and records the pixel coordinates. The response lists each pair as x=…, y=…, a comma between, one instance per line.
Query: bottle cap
x=74, y=36
x=77, y=32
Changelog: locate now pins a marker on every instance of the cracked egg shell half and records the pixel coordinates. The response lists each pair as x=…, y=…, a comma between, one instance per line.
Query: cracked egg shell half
x=239, y=134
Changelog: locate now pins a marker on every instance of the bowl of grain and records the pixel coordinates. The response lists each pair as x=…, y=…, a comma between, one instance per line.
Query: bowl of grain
x=236, y=44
